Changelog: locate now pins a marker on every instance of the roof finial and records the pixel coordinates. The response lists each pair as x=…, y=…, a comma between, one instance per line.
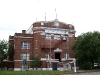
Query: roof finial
x=45, y=16
x=56, y=13
x=36, y=19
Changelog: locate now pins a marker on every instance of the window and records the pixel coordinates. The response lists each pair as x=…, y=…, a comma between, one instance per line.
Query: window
x=48, y=36
x=57, y=37
x=25, y=45
x=14, y=46
x=25, y=56
x=65, y=38
x=66, y=56
x=47, y=56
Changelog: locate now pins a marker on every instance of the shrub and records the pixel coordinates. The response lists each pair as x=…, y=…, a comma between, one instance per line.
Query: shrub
x=87, y=66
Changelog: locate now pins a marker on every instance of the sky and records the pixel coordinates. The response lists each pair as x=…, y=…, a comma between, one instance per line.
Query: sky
x=18, y=15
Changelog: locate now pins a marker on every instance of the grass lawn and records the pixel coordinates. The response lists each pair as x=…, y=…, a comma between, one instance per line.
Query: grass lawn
x=34, y=72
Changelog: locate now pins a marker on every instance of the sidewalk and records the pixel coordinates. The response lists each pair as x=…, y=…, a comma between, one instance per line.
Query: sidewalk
x=85, y=71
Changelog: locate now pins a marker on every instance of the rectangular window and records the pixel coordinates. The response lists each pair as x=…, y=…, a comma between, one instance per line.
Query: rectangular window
x=57, y=37
x=25, y=56
x=47, y=56
x=66, y=56
x=25, y=45
x=64, y=37
x=48, y=36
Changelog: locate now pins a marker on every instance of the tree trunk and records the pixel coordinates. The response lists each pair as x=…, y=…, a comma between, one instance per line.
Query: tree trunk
x=1, y=66
x=92, y=64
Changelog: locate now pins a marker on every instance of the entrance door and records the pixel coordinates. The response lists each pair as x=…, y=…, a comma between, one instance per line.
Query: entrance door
x=54, y=66
x=57, y=56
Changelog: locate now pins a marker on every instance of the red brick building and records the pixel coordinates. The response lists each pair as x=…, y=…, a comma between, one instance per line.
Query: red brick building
x=50, y=40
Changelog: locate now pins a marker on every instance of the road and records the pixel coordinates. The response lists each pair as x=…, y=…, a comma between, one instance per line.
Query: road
x=88, y=73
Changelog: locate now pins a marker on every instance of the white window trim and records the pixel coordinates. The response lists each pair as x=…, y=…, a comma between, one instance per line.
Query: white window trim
x=56, y=37
x=23, y=45
x=25, y=56
x=48, y=36
x=66, y=56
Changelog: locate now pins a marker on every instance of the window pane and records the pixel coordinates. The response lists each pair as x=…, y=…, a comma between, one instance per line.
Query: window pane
x=65, y=38
x=48, y=36
x=25, y=45
x=25, y=56
x=57, y=37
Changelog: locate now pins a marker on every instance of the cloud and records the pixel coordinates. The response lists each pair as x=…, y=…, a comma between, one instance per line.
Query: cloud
x=5, y=34
x=8, y=26
x=16, y=15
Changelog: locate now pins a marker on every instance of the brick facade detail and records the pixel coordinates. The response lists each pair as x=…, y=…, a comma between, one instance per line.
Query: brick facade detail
x=53, y=38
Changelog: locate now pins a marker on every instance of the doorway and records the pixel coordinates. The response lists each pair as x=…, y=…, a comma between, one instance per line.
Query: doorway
x=57, y=56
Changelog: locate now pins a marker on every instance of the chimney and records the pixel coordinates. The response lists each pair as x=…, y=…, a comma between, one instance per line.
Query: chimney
x=23, y=31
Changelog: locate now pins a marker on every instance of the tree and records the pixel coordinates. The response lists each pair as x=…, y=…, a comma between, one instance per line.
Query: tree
x=36, y=61
x=87, y=49
x=5, y=50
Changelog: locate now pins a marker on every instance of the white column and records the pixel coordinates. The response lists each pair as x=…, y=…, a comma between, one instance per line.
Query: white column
x=74, y=65
x=48, y=57
x=66, y=56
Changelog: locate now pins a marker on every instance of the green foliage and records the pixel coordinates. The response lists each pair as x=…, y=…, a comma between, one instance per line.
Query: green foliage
x=36, y=61
x=5, y=50
x=10, y=49
x=87, y=66
x=87, y=47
